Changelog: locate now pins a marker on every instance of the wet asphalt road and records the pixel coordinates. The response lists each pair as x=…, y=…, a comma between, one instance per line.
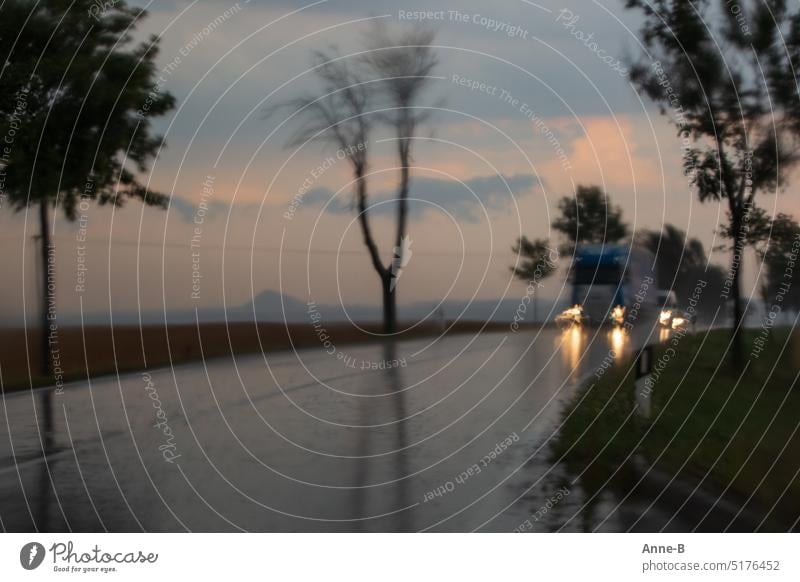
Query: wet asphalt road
x=452, y=438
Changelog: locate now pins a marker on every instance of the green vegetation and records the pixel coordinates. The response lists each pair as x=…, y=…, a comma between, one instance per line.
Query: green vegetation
x=704, y=420
x=742, y=125
x=589, y=218
x=681, y=263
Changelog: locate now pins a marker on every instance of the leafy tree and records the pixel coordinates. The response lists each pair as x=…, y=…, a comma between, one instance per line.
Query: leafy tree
x=390, y=76
x=536, y=260
x=76, y=99
x=681, y=263
x=589, y=218
x=675, y=254
x=726, y=80
x=779, y=256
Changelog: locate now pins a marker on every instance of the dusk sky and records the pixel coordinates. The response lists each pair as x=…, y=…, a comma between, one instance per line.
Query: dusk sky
x=529, y=106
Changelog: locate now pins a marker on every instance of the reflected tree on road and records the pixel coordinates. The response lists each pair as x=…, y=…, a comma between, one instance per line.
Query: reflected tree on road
x=388, y=385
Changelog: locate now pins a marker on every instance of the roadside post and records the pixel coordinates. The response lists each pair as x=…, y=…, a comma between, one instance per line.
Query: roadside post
x=643, y=383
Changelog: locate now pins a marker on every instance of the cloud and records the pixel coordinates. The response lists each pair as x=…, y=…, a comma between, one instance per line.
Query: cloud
x=469, y=201
x=186, y=210
x=322, y=196
x=618, y=152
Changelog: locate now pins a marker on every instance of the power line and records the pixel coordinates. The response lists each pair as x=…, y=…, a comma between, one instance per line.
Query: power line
x=187, y=246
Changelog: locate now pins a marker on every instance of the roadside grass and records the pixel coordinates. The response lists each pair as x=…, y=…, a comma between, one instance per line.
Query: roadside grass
x=735, y=428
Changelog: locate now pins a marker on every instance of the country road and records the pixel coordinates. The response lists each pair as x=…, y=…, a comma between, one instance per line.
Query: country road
x=436, y=435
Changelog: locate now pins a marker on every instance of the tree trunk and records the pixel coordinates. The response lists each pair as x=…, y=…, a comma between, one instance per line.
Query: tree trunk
x=48, y=287
x=389, y=305
x=390, y=282
x=389, y=297
x=736, y=294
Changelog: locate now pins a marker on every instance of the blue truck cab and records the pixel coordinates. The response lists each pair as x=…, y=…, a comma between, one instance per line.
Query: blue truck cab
x=609, y=281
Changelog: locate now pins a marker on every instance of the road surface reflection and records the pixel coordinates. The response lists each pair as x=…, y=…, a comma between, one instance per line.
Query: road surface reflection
x=455, y=439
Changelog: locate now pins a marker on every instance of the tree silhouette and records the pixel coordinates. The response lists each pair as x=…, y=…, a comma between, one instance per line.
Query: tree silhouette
x=381, y=86
x=726, y=79
x=681, y=263
x=537, y=257
x=589, y=218
x=676, y=255
x=76, y=100
x=404, y=61
x=538, y=261
x=780, y=254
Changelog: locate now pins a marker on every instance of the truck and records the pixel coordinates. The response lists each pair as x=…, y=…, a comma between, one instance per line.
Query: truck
x=609, y=282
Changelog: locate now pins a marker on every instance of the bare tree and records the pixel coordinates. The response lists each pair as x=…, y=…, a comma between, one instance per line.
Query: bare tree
x=382, y=86
x=404, y=63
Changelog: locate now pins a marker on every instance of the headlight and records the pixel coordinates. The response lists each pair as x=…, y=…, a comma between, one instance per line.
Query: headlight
x=665, y=316
x=678, y=322
x=573, y=314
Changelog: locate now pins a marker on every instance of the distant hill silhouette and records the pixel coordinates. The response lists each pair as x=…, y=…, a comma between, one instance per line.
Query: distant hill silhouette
x=271, y=306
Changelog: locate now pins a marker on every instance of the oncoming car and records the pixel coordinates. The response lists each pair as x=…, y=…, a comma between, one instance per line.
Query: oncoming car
x=669, y=307
x=671, y=316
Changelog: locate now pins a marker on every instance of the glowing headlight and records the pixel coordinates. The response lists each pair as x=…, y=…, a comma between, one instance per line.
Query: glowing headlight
x=572, y=314
x=618, y=314
x=665, y=316
x=678, y=322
